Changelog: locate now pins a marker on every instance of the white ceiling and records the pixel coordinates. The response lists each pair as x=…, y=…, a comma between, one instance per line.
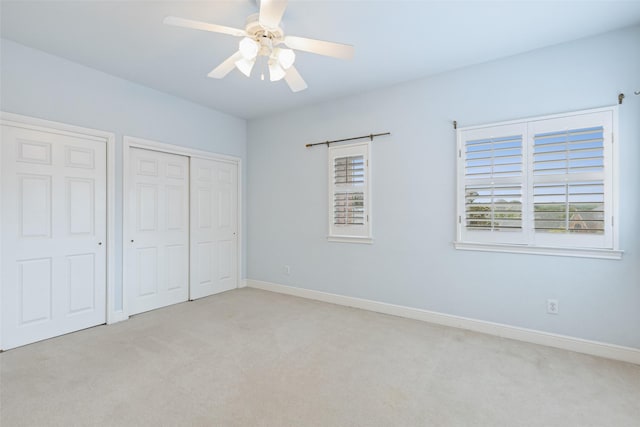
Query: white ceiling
x=394, y=41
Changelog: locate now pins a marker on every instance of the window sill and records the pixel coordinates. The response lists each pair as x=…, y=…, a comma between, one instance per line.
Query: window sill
x=541, y=250
x=365, y=240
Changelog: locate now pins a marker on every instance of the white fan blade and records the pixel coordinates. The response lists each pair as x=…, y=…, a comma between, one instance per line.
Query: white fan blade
x=204, y=26
x=271, y=12
x=225, y=68
x=320, y=47
x=294, y=80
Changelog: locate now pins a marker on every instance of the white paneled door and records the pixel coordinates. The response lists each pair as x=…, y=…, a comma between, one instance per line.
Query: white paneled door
x=157, y=260
x=53, y=205
x=214, y=227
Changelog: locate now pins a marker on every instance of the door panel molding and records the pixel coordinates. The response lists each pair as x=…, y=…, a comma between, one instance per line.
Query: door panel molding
x=127, y=223
x=75, y=158
x=214, y=227
x=160, y=205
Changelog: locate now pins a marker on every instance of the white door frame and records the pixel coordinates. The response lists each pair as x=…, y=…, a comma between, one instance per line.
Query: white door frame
x=33, y=123
x=135, y=142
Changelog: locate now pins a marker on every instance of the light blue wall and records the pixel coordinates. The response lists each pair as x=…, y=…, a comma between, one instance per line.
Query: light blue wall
x=36, y=84
x=412, y=261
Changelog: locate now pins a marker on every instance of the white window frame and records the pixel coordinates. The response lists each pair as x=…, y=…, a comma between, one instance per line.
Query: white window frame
x=529, y=241
x=350, y=233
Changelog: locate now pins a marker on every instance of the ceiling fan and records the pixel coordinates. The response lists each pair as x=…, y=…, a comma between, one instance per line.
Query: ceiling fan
x=263, y=38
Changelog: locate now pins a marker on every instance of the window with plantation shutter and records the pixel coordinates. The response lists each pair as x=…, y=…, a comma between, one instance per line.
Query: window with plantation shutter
x=349, y=200
x=542, y=185
x=493, y=188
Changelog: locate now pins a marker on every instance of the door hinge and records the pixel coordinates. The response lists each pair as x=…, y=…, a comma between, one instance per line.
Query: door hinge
x=612, y=220
x=459, y=219
x=459, y=153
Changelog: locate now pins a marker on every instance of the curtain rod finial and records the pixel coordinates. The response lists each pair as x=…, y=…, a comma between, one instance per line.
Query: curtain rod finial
x=620, y=98
x=455, y=124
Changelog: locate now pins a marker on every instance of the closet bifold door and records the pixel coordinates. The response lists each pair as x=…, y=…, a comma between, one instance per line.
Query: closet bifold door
x=158, y=218
x=214, y=227
x=54, y=229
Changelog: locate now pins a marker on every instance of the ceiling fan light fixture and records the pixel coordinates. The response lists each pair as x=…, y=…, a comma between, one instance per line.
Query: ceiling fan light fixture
x=286, y=57
x=249, y=48
x=260, y=40
x=245, y=66
x=275, y=71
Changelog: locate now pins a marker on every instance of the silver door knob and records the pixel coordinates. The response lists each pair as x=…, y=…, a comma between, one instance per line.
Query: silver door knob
x=99, y=243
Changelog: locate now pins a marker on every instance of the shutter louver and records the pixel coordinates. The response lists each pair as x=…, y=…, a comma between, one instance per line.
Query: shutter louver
x=493, y=207
x=348, y=201
x=494, y=157
x=349, y=170
x=568, y=188
x=348, y=208
x=493, y=189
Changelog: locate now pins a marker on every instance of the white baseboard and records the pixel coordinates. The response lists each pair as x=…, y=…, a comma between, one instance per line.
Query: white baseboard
x=242, y=283
x=594, y=348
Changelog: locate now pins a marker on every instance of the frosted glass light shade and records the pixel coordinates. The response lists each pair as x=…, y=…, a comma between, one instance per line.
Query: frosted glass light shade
x=245, y=66
x=249, y=48
x=286, y=57
x=275, y=71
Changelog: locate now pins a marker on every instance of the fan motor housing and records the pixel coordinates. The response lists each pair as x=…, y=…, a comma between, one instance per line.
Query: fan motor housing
x=256, y=31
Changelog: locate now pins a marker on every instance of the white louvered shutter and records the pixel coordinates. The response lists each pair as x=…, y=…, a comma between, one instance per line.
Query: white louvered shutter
x=493, y=184
x=545, y=182
x=571, y=180
x=349, y=199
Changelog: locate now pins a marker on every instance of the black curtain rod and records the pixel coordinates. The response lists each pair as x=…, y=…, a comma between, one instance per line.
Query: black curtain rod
x=371, y=136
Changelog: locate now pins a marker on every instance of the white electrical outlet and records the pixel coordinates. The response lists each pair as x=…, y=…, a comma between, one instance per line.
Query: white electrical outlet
x=287, y=270
x=552, y=306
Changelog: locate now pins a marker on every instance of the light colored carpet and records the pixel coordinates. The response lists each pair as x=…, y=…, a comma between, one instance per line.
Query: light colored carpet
x=255, y=358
